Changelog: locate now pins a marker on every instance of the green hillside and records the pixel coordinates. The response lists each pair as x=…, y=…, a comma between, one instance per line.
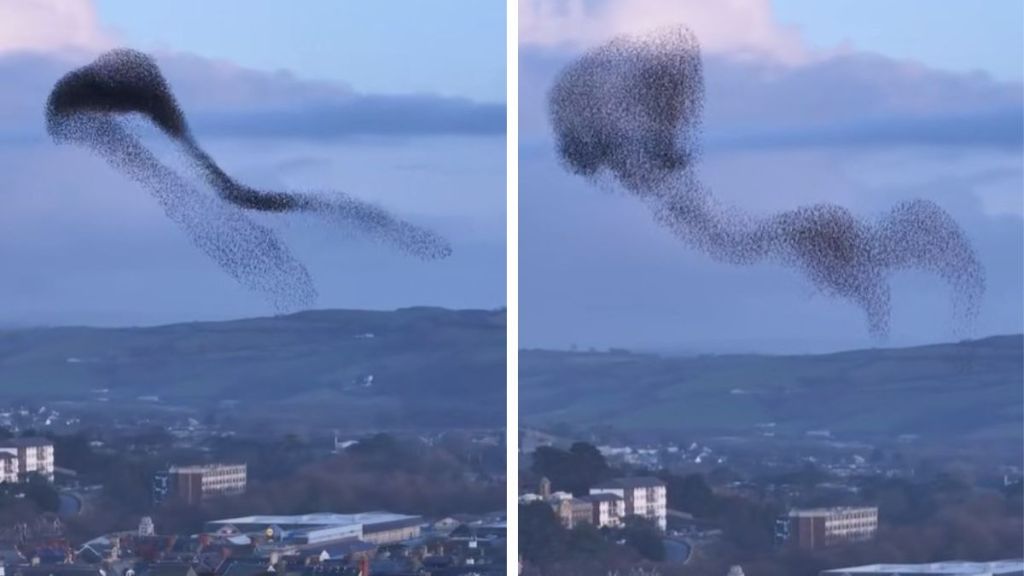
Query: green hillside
x=412, y=365
x=969, y=389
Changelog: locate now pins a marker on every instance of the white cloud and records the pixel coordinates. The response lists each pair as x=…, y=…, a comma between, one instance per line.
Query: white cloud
x=737, y=27
x=50, y=26
x=222, y=99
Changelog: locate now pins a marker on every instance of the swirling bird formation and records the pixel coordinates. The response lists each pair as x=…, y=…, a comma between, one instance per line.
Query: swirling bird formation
x=632, y=109
x=89, y=107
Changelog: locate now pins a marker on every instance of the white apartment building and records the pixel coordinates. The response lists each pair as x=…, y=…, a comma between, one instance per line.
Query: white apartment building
x=609, y=509
x=8, y=468
x=642, y=496
x=31, y=454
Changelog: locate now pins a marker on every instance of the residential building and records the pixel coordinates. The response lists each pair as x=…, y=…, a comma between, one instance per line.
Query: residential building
x=161, y=486
x=561, y=503
x=34, y=455
x=642, y=496
x=571, y=512
x=8, y=468
x=816, y=528
x=955, y=568
x=608, y=509
x=581, y=511
x=193, y=484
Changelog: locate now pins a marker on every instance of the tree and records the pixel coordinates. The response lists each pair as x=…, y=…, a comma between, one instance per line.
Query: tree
x=722, y=475
x=643, y=536
x=575, y=470
x=590, y=463
x=692, y=494
x=586, y=539
x=41, y=493
x=748, y=524
x=542, y=539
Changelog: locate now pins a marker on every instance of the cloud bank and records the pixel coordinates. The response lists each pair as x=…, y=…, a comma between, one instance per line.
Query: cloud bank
x=50, y=26
x=741, y=28
x=233, y=102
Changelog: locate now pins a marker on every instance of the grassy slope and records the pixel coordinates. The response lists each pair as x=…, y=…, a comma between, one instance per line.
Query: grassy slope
x=971, y=388
x=422, y=359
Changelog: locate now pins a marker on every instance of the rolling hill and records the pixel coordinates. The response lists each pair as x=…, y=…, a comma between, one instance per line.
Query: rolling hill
x=411, y=366
x=971, y=389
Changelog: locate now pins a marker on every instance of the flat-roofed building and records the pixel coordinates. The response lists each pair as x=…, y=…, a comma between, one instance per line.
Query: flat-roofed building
x=582, y=511
x=642, y=496
x=608, y=509
x=374, y=527
x=8, y=468
x=571, y=511
x=193, y=484
x=34, y=456
x=953, y=568
x=561, y=504
x=816, y=528
x=392, y=531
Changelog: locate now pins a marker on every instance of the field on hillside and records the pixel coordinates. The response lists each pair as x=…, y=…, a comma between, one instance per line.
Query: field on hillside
x=972, y=389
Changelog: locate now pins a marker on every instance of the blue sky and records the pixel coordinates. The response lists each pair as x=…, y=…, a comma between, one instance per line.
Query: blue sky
x=448, y=47
x=951, y=35
x=855, y=102
x=398, y=103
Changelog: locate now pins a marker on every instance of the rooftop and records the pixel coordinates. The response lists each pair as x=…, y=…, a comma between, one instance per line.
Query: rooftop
x=318, y=519
x=405, y=522
x=818, y=512
x=33, y=442
x=954, y=568
x=204, y=467
x=603, y=498
x=635, y=482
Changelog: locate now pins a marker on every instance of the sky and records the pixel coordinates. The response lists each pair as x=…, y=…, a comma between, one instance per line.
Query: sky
x=958, y=36
x=379, y=100
x=448, y=47
x=857, y=103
